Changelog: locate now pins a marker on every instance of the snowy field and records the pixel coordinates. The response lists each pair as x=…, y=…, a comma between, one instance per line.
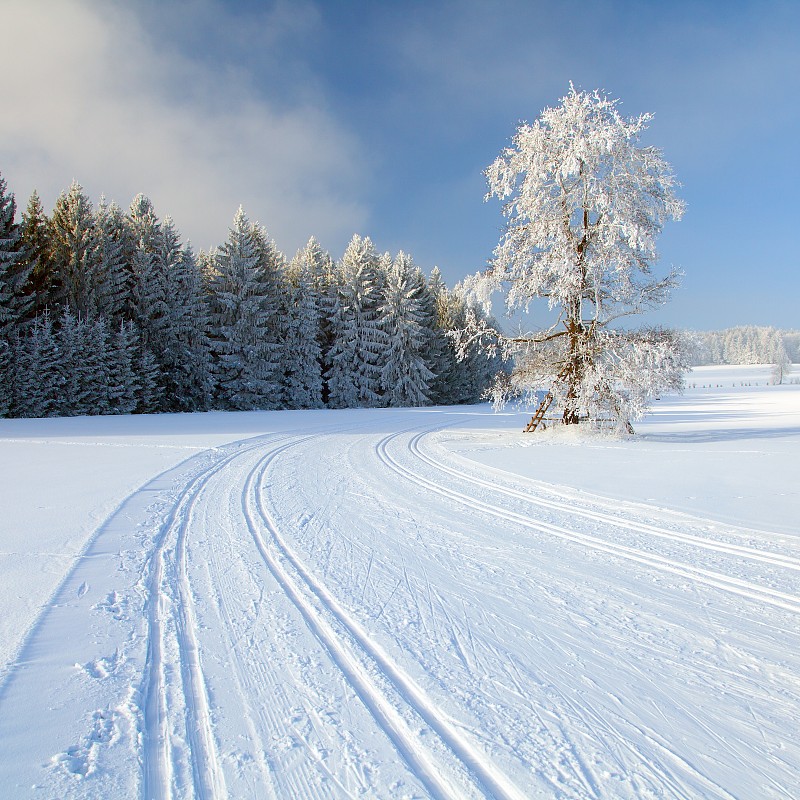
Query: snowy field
x=404, y=603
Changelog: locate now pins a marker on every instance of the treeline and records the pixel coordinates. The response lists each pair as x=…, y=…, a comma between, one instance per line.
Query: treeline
x=745, y=344
x=107, y=312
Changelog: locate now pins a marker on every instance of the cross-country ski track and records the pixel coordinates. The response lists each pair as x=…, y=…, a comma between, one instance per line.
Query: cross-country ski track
x=352, y=609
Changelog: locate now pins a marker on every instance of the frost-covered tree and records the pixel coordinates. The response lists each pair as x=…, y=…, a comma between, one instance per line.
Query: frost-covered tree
x=37, y=377
x=242, y=319
x=36, y=248
x=13, y=275
x=111, y=275
x=182, y=348
x=13, y=269
x=358, y=341
x=405, y=376
x=73, y=247
x=146, y=304
x=123, y=382
x=301, y=352
x=474, y=370
x=585, y=203
x=744, y=344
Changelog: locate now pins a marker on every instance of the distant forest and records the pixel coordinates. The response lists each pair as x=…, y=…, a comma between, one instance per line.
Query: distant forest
x=105, y=311
x=746, y=344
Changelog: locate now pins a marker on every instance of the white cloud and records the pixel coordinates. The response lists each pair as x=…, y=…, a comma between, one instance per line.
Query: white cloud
x=98, y=97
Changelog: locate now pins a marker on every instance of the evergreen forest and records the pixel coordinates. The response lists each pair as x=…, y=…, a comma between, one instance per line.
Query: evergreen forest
x=106, y=311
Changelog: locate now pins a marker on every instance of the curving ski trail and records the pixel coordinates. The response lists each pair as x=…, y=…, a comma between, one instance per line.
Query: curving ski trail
x=301, y=585
x=732, y=584
x=607, y=518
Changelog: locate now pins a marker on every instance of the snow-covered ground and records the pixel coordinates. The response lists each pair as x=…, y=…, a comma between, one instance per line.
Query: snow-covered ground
x=404, y=603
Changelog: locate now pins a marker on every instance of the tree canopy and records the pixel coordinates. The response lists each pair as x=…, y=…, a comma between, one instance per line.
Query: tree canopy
x=584, y=203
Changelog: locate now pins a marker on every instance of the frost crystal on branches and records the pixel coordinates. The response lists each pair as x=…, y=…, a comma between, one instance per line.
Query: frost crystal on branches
x=584, y=204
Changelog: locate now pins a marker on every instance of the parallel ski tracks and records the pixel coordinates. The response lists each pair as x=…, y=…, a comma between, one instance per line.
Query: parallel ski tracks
x=175, y=608
x=734, y=585
x=443, y=758
x=399, y=706
x=754, y=554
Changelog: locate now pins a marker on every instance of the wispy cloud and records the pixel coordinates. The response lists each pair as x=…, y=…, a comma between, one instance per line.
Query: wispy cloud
x=98, y=93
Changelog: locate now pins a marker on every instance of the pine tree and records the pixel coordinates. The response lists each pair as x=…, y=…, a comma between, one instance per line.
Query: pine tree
x=37, y=389
x=13, y=269
x=70, y=364
x=302, y=355
x=36, y=248
x=321, y=272
x=73, y=248
x=149, y=393
x=99, y=360
x=123, y=384
x=341, y=386
x=441, y=350
x=359, y=342
x=405, y=376
x=111, y=278
x=192, y=375
x=243, y=340
x=147, y=303
x=177, y=334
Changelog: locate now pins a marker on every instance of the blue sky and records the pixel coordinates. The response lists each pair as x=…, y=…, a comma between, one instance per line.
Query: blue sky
x=331, y=118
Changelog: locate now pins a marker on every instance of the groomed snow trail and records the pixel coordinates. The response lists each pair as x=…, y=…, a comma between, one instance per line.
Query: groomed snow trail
x=351, y=610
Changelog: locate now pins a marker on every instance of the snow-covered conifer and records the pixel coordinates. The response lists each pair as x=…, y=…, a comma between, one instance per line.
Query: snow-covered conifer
x=302, y=355
x=73, y=248
x=123, y=383
x=442, y=358
x=36, y=248
x=111, y=275
x=405, y=376
x=358, y=346
x=243, y=338
x=179, y=341
x=13, y=269
x=149, y=394
x=37, y=385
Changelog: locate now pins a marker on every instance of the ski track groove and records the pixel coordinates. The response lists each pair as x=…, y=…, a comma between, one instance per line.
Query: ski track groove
x=158, y=768
x=324, y=615
x=776, y=559
x=708, y=577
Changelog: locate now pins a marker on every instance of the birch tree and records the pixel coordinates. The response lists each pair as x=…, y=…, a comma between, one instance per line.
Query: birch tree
x=585, y=202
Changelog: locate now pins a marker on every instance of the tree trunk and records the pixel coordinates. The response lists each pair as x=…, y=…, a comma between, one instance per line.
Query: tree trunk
x=574, y=375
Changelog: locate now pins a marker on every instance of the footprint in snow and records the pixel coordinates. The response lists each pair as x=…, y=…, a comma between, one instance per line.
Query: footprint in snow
x=101, y=668
x=115, y=604
x=80, y=760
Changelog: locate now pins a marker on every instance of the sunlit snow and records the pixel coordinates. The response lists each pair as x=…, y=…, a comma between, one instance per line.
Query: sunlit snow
x=404, y=603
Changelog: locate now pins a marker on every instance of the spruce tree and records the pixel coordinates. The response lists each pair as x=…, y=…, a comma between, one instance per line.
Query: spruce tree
x=123, y=383
x=359, y=342
x=112, y=277
x=38, y=378
x=73, y=247
x=441, y=350
x=36, y=249
x=302, y=355
x=243, y=342
x=405, y=376
x=13, y=269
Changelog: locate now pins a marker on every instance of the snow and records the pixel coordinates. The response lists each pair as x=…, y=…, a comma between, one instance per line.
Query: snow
x=404, y=603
